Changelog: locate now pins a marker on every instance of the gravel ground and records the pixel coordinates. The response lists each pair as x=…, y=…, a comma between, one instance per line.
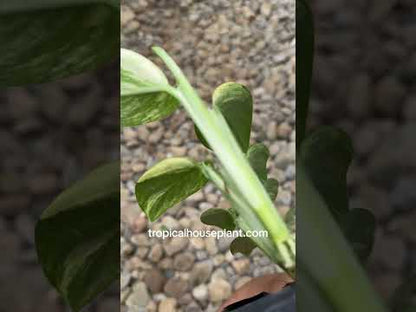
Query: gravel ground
x=364, y=83
x=251, y=42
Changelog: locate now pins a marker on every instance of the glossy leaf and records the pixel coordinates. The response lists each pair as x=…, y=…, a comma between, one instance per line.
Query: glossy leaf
x=272, y=187
x=168, y=183
x=218, y=217
x=326, y=154
x=242, y=245
x=304, y=65
x=78, y=237
x=257, y=156
x=143, y=91
x=359, y=226
x=235, y=103
x=48, y=40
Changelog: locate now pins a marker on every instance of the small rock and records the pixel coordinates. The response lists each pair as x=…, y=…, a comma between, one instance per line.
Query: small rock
x=178, y=150
x=166, y=264
x=156, y=135
x=219, y=290
x=197, y=242
x=211, y=246
x=201, y=272
x=142, y=133
x=271, y=132
x=170, y=222
x=183, y=261
x=284, y=130
x=176, y=287
x=140, y=240
x=241, y=266
x=219, y=274
x=175, y=245
x=156, y=253
x=200, y=292
x=154, y=280
x=139, y=296
x=167, y=305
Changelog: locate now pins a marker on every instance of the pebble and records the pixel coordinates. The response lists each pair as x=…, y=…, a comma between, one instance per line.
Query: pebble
x=175, y=245
x=139, y=296
x=200, y=292
x=201, y=272
x=167, y=305
x=156, y=252
x=241, y=266
x=176, y=287
x=154, y=280
x=219, y=290
x=183, y=261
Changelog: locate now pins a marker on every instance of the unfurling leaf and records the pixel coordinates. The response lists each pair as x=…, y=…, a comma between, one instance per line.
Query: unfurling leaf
x=326, y=154
x=235, y=103
x=242, y=245
x=272, y=187
x=48, y=40
x=218, y=217
x=257, y=156
x=78, y=237
x=168, y=183
x=143, y=91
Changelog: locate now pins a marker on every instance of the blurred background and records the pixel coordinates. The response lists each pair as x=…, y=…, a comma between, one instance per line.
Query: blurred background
x=250, y=42
x=51, y=135
x=364, y=82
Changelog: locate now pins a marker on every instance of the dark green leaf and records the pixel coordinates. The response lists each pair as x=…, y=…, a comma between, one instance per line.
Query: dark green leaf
x=326, y=154
x=242, y=245
x=143, y=95
x=359, y=226
x=235, y=103
x=290, y=218
x=218, y=217
x=257, y=156
x=77, y=237
x=304, y=64
x=272, y=187
x=48, y=40
x=168, y=183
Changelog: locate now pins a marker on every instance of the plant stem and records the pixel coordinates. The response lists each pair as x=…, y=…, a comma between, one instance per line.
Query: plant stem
x=220, y=138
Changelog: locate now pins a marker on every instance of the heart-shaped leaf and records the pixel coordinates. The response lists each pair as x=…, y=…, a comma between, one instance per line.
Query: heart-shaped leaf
x=78, y=237
x=49, y=40
x=359, y=226
x=235, y=103
x=242, y=245
x=257, y=156
x=143, y=91
x=272, y=187
x=218, y=217
x=304, y=64
x=326, y=154
x=168, y=183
